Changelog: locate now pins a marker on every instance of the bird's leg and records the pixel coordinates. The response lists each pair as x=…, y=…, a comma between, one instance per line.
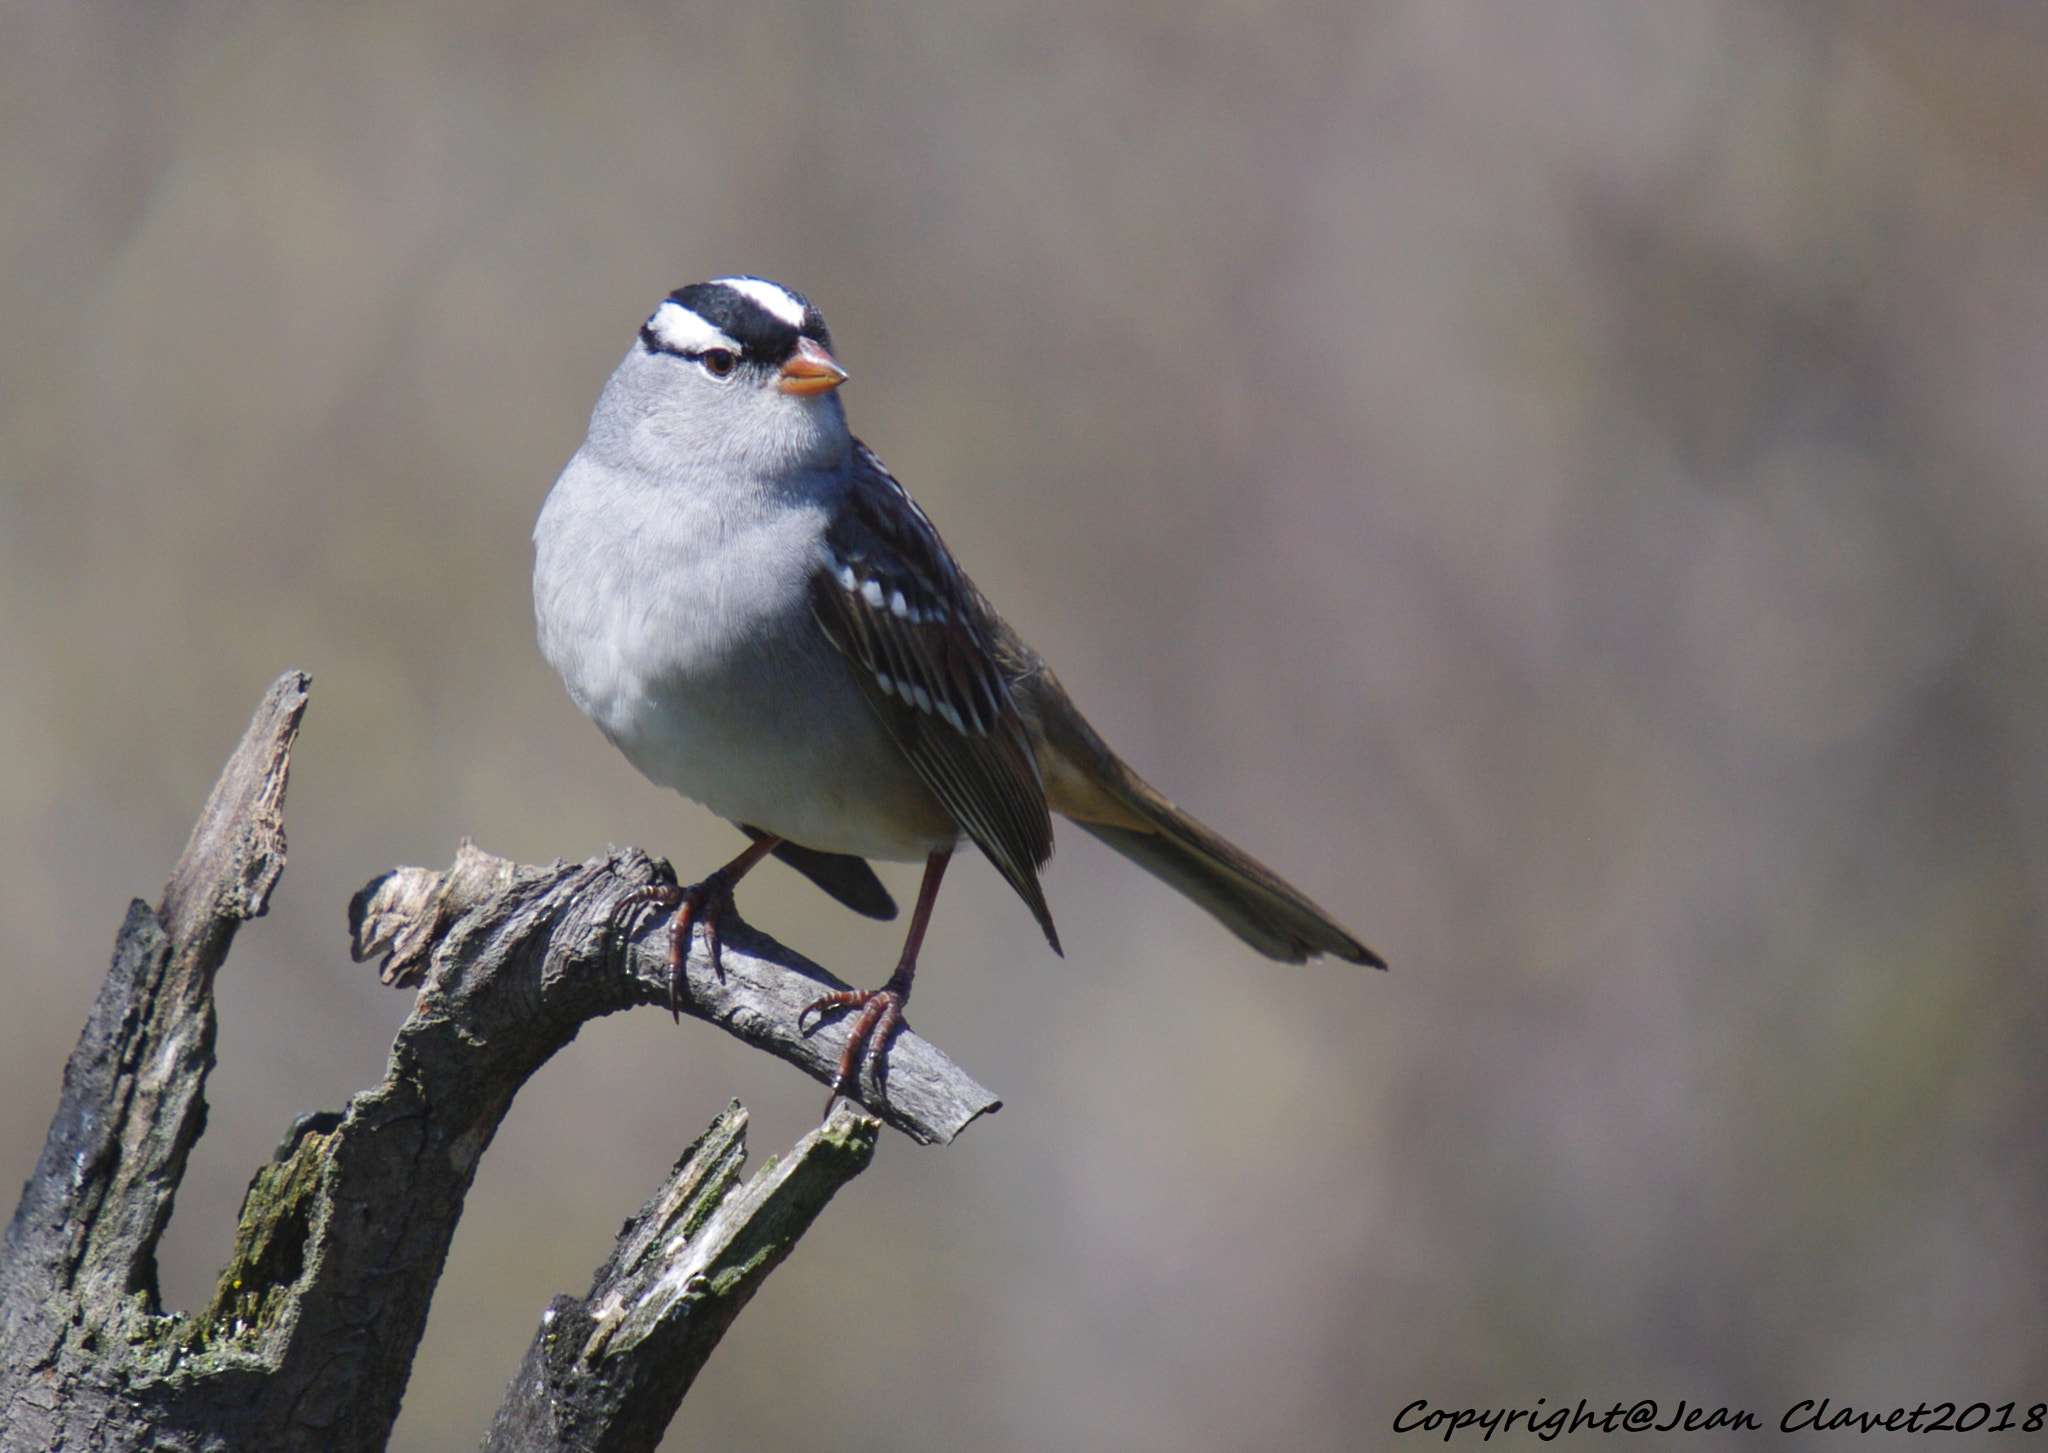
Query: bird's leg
x=881, y=1010
x=707, y=903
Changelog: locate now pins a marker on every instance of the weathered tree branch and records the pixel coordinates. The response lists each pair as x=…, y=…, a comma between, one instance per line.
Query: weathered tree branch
x=605, y=1373
x=483, y=907
x=309, y=1339
x=79, y=1263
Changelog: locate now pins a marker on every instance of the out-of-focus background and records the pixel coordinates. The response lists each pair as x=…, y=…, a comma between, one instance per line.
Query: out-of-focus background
x=1563, y=482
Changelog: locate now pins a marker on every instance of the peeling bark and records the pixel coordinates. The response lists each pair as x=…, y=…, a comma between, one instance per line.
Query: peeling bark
x=309, y=1339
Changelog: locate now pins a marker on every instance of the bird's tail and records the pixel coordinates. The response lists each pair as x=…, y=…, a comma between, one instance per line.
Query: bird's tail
x=1089, y=784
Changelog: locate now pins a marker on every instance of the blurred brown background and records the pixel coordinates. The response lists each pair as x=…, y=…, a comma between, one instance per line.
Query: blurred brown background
x=1564, y=482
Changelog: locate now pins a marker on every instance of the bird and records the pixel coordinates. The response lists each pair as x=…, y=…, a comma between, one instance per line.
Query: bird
x=753, y=610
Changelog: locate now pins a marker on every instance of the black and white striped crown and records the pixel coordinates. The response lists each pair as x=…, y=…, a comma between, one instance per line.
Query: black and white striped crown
x=757, y=321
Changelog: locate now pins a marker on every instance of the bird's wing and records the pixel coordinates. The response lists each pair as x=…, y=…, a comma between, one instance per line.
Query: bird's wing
x=889, y=596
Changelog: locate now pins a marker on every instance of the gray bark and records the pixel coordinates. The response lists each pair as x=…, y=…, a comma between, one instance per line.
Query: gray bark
x=606, y=1372
x=310, y=1336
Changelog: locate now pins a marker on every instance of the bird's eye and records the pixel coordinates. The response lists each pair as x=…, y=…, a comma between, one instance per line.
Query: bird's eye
x=718, y=361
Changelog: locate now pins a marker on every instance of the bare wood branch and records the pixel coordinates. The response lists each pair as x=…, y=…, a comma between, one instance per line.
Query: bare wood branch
x=605, y=1373
x=760, y=996
x=82, y=1244
x=309, y=1339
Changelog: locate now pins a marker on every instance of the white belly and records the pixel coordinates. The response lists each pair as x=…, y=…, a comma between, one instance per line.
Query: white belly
x=687, y=636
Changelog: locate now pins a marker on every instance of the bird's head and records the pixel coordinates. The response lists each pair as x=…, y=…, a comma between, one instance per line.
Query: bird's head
x=735, y=374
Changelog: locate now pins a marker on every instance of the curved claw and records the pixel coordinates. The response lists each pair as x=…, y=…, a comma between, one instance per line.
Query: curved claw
x=824, y=1004
x=707, y=903
x=881, y=1011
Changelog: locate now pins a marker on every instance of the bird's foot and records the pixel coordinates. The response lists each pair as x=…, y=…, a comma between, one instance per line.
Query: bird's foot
x=708, y=903
x=880, y=1012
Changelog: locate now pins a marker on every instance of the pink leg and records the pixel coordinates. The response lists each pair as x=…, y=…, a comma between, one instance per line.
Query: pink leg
x=881, y=1010
x=707, y=903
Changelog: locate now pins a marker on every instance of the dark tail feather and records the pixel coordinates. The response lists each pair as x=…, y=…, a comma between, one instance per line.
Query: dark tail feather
x=1089, y=784
x=1244, y=896
x=845, y=877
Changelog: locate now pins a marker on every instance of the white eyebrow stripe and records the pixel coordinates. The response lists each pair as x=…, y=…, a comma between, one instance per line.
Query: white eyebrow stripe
x=774, y=298
x=683, y=331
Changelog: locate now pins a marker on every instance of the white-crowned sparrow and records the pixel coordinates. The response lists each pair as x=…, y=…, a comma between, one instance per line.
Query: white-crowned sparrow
x=755, y=612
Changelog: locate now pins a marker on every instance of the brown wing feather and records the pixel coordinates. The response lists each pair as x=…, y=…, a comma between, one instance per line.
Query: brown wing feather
x=889, y=596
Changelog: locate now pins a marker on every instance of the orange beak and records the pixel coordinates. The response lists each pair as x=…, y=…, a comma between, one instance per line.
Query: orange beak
x=810, y=370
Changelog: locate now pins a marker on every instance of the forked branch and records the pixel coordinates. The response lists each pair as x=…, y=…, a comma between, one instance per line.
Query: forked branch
x=309, y=1340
